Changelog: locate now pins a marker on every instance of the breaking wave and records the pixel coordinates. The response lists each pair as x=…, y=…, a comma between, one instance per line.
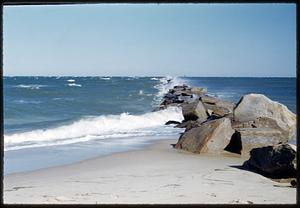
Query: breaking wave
x=100, y=127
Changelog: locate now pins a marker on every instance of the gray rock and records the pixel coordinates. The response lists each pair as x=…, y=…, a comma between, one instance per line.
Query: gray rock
x=253, y=106
x=259, y=137
x=198, y=90
x=217, y=106
x=272, y=161
x=210, y=137
x=194, y=111
x=209, y=99
x=260, y=132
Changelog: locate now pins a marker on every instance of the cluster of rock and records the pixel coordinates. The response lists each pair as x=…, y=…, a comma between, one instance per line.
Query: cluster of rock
x=213, y=125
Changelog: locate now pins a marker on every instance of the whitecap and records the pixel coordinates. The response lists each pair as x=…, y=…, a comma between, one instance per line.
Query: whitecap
x=27, y=101
x=100, y=127
x=30, y=86
x=74, y=85
x=154, y=78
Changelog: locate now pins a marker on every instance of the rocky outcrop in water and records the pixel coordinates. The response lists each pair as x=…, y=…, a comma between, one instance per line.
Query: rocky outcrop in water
x=256, y=120
x=256, y=126
x=181, y=94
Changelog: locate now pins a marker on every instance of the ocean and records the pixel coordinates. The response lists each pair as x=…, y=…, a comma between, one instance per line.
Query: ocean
x=51, y=121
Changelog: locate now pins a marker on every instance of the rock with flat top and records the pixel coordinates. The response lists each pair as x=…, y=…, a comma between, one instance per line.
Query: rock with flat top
x=259, y=132
x=253, y=106
x=259, y=137
x=210, y=137
x=217, y=106
x=198, y=90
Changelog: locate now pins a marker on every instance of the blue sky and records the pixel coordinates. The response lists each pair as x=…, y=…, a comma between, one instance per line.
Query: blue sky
x=151, y=40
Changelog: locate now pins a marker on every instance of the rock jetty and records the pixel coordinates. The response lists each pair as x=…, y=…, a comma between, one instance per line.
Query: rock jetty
x=253, y=127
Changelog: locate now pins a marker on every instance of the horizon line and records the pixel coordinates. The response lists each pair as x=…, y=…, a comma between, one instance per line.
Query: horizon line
x=148, y=76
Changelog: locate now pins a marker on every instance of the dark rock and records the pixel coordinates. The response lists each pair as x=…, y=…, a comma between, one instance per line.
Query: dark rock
x=189, y=124
x=235, y=144
x=209, y=137
x=170, y=96
x=171, y=91
x=272, y=161
x=294, y=183
x=173, y=145
x=172, y=122
x=184, y=124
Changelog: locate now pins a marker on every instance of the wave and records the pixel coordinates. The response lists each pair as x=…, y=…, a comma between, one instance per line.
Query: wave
x=71, y=80
x=30, y=86
x=74, y=85
x=59, y=98
x=27, y=101
x=154, y=78
x=166, y=83
x=105, y=78
x=100, y=127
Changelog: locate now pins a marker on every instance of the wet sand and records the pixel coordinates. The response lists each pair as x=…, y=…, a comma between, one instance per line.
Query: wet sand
x=157, y=174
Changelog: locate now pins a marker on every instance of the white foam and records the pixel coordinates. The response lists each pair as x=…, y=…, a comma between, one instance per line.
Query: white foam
x=71, y=80
x=154, y=78
x=100, y=127
x=163, y=87
x=27, y=101
x=30, y=86
x=74, y=85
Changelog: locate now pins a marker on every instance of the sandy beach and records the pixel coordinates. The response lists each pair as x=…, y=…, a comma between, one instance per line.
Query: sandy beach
x=157, y=174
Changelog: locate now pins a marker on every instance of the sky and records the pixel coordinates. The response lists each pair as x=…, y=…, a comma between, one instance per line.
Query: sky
x=235, y=40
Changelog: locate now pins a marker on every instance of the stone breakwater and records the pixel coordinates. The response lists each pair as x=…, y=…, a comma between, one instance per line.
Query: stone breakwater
x=255, y=127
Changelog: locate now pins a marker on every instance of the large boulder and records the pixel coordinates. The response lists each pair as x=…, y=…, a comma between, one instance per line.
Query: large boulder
x=210, y=137
x=253, y=106
x=259, y=137
x=273, y=161
x=194, y=111
x=259, y=132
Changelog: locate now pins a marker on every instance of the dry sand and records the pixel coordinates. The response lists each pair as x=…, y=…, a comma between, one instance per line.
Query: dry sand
x=156, y=174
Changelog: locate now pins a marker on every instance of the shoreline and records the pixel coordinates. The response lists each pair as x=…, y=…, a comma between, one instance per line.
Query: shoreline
x=140, y=146
x=155, y=174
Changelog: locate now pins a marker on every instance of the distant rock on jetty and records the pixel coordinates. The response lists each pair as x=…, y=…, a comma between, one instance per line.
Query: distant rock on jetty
x=213, y=125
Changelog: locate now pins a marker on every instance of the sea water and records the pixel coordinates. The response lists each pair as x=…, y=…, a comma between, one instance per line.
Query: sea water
x=50, y=121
